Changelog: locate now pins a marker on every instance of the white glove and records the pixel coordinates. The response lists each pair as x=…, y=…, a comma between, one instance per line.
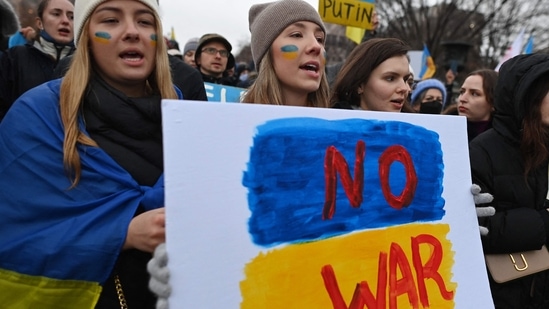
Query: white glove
x=160, y=276
x=488, y=211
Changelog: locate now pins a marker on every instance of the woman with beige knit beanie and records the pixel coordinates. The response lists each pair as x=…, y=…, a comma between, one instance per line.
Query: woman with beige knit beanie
x=288, y=50
x=287, y=45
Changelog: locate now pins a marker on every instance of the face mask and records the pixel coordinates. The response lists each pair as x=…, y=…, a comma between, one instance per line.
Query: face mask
x=243, y=77
x=431, y=107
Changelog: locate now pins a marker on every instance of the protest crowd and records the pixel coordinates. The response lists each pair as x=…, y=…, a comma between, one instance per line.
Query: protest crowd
x=81, y=157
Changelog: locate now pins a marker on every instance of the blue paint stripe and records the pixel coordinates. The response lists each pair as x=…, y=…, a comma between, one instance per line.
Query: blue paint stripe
x=285, y=178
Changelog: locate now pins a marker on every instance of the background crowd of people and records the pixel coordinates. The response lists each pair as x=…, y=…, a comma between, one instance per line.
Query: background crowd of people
x=80, y=127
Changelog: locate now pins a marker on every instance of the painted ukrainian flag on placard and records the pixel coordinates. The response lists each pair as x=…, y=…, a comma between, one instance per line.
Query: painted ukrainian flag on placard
x=347, y=215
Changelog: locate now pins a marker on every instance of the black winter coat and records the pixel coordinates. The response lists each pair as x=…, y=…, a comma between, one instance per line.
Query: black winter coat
x=22, y=68
x=521, y=221
x=129, y=130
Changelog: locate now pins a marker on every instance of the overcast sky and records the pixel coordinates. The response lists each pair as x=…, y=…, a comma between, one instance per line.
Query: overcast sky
x=195, y=18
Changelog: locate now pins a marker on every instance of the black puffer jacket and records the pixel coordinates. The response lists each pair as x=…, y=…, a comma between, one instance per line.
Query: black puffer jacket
x=521, y=221
x=22, y=68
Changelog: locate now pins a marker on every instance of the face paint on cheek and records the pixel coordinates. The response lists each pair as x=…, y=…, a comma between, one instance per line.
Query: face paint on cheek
x=289, y=51
x=102, y=37
x=153, y=39
x=324, y=57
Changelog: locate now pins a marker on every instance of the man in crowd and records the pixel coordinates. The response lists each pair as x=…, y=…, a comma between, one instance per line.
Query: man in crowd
x=213, y=57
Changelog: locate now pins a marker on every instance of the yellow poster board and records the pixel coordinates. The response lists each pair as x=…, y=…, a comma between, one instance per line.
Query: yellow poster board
x=347, y=12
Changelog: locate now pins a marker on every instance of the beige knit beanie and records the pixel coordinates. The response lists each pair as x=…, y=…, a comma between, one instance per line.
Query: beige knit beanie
x=84, y=8
x=268, y=20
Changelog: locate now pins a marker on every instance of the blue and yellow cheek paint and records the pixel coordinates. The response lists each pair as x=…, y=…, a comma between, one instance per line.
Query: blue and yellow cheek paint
x=289, y=51
x=105, y=37
x=102, y=37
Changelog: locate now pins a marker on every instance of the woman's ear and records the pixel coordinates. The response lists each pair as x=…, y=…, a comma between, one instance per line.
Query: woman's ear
x=39, y=23
x=359, y=90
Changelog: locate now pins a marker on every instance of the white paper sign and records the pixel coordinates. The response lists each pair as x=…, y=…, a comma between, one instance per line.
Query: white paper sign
x=288, y=207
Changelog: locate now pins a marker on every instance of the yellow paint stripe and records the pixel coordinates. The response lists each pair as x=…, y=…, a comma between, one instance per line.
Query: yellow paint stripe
x=101, y=40
x=290, y=277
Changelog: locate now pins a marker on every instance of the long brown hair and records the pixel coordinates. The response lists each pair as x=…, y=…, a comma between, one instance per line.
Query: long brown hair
x=74, y=86
x=535, y=135
x=359, y=66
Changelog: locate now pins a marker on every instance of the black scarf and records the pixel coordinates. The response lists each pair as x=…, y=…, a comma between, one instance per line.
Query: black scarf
x=128, y=129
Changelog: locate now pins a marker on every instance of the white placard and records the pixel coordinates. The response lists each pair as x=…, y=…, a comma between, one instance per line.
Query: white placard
x=288, y=207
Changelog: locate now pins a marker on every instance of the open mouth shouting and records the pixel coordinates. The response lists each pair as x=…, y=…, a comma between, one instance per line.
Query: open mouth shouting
x=312, y=68
x=132, y=56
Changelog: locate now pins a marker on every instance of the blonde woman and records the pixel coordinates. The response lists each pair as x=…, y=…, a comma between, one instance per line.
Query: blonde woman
x=81, y=168
x=288, y=39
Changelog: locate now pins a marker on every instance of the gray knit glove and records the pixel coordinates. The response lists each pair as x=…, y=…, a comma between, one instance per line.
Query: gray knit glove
x=487, y=211
x=160, y=276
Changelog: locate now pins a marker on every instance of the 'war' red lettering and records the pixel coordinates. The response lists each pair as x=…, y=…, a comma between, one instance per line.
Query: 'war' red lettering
x=389, y=285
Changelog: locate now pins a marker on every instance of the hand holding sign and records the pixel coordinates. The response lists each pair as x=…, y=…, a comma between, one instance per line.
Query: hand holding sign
x=160, y=276
x=488, y=211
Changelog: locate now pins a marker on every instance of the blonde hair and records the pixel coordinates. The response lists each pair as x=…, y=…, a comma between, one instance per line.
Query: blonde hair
x=73, y=90
x=267, y=89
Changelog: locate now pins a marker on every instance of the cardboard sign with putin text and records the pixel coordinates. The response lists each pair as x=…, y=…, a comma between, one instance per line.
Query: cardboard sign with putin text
x=288, y=207
x=355, y=13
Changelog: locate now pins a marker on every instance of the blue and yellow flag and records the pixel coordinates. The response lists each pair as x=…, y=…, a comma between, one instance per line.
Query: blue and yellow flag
x=529, y=48
x=428, y=67
x=355, y=34
x=59, y=245
x=172, y=34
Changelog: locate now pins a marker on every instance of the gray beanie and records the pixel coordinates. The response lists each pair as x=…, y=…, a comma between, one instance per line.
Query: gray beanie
x=268, y=20
x=191, y=44
x=84, y=8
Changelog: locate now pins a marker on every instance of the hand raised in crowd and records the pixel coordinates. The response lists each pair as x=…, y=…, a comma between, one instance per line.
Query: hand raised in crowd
x=147, y=230
x=375, y=21
x=28, y=33
x=450, y=76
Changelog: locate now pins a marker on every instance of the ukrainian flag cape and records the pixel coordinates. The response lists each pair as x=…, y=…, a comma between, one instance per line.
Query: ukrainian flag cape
x=58, y=245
